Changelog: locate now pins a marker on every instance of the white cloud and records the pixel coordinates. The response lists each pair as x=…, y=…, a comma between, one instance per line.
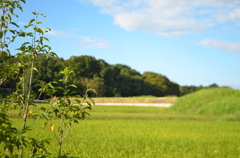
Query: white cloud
x=57, y=33
x=223, y=45
x=84, y=41
x=229, y=16
x=89, y=42
x=102, y=3
x=21, y=23
x=168, y=17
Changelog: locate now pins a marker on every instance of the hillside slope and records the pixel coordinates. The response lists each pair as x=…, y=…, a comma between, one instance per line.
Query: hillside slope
x=215, y=101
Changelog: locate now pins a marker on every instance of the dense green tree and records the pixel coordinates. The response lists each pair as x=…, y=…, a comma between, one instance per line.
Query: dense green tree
x=83, y=66
x=129, y=81
x=189, y=89
x=109, y=74
x=214, y=85
x=173, y=89
x=98, y=85
x=7, y=81
x=84, y=69
x=159, y=83
x=103, y=67
x=49, y=68
x=121, y=80
x=116, y=80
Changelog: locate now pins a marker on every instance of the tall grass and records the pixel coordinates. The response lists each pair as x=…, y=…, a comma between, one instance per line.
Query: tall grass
x=223, y=102
x=148, y=138
x=186, y=130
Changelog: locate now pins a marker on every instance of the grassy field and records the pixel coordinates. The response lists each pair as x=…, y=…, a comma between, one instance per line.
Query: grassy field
x=152, y=132
x=137, y=138
x=137, y=132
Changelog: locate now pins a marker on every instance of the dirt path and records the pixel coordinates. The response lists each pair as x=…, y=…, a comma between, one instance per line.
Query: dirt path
x=122, y=100
x=137, y=104
x=135, y=101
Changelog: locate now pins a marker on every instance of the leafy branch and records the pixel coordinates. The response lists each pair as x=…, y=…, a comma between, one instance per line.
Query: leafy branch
x=68, y=111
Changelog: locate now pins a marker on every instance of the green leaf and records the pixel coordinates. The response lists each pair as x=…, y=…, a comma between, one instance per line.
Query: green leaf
x=22, y=34
x=39, y=30
x=75, y=121
x=35, y=13
x=8, y=52
x=1, y=34
x=45, y=124
x=45, y=116
x=13, y=23
x=35, y=69
x=60, y=88
x=29, y=34
x=43, y=109
x=72, y=85
x=36, y=117
x=25, y=43
x=91, y=90
x=84, y=114
x=77, y=101
x=91, y=100
x=9, y=18
x=69, y=101
x=31, y=21
x=13, y=31
x=88, y=103
x=56, y=111
x=87, y=107
x=43, y=16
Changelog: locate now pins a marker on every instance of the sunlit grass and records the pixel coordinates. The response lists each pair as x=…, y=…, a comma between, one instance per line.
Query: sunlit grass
x=147, y=138
x=137, y=132
x=219, y=102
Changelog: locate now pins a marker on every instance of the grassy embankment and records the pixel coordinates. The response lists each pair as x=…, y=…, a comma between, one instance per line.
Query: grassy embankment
x=223, y=103
x=190, y=128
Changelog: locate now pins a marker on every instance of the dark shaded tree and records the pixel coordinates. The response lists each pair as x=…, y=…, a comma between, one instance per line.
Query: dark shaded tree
x=83, y=66
x=173, y=89
x=98, y=85
x=49, y=68
x=121, y=80
x=214, y=85
x=158, y=83
x=189, y=89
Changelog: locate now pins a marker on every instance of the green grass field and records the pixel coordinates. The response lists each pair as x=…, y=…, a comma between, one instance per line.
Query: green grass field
x=136, y=132
x=152, y=132
x=223, y=103
x=137, y=138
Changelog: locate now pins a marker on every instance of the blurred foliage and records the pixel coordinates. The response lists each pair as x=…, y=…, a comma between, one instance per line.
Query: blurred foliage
x=108, y=80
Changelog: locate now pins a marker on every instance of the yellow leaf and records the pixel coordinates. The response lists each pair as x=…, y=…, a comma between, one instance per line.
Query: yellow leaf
x=51, y=127
x=30, y=112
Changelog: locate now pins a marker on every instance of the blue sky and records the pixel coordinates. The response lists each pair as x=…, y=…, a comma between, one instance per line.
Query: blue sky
x=193, y=42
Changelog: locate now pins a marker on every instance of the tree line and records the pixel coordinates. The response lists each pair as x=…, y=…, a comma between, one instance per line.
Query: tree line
x=108, y=80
